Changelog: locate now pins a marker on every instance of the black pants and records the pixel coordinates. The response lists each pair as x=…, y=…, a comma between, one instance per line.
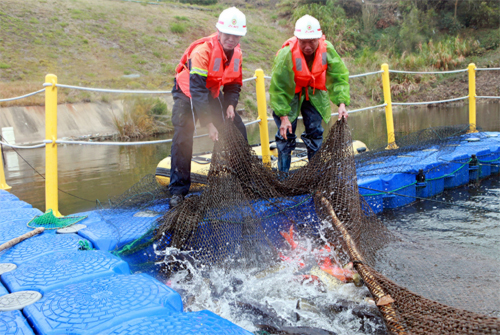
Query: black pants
x=312, y=136
x=182, y=143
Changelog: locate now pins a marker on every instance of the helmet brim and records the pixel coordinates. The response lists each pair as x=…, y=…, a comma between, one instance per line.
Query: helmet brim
x=231, y=32
x=314, y=36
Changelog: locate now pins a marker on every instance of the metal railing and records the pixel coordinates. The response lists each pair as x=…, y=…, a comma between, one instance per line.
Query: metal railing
x=51, y=141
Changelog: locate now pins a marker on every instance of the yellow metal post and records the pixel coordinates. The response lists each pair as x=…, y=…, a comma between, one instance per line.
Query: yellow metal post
x=3, y=183
x=51, y=184
x=386, y=84
x=262, y=108
x=472, y=98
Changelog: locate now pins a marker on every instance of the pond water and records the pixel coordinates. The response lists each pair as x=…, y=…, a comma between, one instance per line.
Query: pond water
x=99, y=172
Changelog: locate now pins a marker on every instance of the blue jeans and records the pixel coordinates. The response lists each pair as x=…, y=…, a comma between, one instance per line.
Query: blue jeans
x=312, y=136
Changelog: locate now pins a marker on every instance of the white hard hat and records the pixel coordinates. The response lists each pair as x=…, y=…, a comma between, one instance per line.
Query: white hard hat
x=307, y=27
x=232, y=21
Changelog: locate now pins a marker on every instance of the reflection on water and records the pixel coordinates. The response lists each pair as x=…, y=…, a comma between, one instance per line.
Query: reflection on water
x=471, y=222
x=96, y=172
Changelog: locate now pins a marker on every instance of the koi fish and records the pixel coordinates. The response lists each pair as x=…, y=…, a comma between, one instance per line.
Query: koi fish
x=324, y=258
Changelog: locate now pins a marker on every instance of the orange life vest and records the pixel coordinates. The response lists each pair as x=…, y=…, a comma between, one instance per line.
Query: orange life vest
x=217, y=74
x=304, y=78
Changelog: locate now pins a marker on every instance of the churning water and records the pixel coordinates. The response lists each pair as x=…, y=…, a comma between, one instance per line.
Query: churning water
x=280, y=299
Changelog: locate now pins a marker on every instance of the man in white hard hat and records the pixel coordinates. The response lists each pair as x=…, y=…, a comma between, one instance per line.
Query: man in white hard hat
x=206, y=65
x=307, y=74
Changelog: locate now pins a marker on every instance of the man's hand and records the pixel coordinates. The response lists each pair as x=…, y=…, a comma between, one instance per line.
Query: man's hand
x=286, y=127
x=230, y=112
x=212, y=132
x=342, y=111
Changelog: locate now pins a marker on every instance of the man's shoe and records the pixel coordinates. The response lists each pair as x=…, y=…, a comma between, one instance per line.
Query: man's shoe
x=176, y=200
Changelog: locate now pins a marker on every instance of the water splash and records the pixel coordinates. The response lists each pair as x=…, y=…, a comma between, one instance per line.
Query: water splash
x=279, y=298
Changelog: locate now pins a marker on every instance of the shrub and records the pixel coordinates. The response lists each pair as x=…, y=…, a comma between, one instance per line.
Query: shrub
x=341, y=31
x=410, y=31
x=200, y=2
x=159, y=107
x=138, y=119
x=450, y=23
x=177, y=28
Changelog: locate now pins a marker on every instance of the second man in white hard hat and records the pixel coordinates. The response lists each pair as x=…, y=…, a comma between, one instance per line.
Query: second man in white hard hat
x=207, y=65
x=307, y=74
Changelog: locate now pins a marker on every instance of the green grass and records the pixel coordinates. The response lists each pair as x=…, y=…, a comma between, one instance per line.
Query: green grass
x=95, y=42
x=177, y=28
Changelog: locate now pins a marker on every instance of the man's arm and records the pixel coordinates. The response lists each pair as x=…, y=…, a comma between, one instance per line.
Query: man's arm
x=282, y=89
x=231, y=97
x=337, y=80
x=200, y=58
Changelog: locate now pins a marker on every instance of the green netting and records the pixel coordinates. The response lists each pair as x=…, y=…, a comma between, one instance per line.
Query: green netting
x=84, y=245
x=50, y=221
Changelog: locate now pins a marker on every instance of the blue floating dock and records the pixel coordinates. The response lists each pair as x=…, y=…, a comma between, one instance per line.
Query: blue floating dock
x=14, y=204
x=3, y=290
x=434, y=178
x=39, y=245
x=10, y=230
x=14, y=323
x=456, y=167
x=401, y=183
x=200, y=323
x=22, y=214
x=61, y=268
x=99, y=304
x=375, y=199
x=6, y=196
x=102, y=230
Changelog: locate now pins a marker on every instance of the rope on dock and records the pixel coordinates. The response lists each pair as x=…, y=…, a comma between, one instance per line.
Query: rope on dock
x=21, y=238
x=23, y=96
x=106, y=90
x=249, y=79
x=428, y=102
x=24, y=146
x=365, y=74
x=486, y=97
x=428, y=72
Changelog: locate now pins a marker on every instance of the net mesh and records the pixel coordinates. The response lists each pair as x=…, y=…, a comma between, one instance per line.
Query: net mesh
x=50, y=221
x=236, y=220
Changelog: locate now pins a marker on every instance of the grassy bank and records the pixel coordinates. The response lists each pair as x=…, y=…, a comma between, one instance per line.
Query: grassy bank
x=132, y=45
x=112, y=44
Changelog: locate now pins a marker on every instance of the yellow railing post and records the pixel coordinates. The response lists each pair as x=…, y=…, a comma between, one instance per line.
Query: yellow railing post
x=262, y=109
x=3, y=183
x=386, y=84
x=51, y=187
x=472, y=98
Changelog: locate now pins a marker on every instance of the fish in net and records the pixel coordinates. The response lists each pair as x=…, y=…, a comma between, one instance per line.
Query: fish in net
x=236, y=221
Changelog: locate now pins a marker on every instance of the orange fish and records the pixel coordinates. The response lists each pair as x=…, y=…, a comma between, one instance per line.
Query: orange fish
x=323, y=258
x=289, y=238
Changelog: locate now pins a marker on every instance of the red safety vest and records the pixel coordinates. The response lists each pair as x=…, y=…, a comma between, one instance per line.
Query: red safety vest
x=304, y=78
x=218, y=75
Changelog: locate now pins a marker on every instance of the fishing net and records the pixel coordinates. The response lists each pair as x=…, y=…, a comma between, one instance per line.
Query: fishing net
x=238, y=219
x=50, y=221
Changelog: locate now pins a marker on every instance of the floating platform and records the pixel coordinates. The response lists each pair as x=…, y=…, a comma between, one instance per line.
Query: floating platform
x=94, y=292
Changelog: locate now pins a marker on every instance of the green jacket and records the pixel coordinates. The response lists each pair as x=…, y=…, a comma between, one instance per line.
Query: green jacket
x=285, y=102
